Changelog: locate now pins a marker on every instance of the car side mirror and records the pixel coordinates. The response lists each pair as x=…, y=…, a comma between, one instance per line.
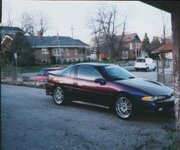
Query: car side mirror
x=100, y=81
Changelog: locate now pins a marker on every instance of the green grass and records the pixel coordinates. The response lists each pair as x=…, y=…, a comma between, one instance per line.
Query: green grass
x=172, y=144
x=35, y=68
x=27, y=69
x=39, y=67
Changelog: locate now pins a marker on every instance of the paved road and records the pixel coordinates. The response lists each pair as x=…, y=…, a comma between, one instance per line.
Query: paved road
x=151, y=75
x=31, y=120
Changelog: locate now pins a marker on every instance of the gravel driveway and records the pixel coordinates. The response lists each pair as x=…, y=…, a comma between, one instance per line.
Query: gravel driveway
x=32, y=121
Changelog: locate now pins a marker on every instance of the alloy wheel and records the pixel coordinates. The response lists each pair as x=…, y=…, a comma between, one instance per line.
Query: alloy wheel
x=123, y=107
x=58, y=95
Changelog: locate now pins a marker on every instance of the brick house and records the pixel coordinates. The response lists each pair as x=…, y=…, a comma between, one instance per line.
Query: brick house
x=132, y=46
x=56, y=49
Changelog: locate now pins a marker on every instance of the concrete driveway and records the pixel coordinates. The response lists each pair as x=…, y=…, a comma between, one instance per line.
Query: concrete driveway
x=31, y=120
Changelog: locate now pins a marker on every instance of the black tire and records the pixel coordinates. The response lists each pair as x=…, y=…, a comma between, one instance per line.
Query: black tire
x=147, y=69
x=124, y=108
x=136, y=69
x=58, y=96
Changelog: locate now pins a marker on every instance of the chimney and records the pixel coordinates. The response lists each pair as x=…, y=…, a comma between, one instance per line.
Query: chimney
x=39, y=34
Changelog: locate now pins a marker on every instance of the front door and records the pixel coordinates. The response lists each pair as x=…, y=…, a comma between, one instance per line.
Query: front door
x=87, y=90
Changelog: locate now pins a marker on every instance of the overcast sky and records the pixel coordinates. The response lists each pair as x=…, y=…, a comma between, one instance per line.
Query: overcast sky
x=141, y=18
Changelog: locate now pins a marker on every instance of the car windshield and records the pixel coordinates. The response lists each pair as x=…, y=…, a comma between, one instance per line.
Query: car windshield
x=44, y=72
x=41, y=73
x=117, y=73
x=140, y=60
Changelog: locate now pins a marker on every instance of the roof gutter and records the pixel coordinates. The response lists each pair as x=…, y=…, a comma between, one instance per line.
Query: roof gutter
x=65, y=46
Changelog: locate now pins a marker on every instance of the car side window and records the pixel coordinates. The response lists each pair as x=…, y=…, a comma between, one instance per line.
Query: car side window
x=73, y=70
x=69, y=72
x=66, y=72
x=88, y=73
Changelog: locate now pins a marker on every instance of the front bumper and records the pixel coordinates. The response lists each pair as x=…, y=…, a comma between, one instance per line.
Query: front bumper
x=156, y=106
x=164, y=106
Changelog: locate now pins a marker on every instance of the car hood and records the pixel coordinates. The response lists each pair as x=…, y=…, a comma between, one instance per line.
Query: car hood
x=148, y=86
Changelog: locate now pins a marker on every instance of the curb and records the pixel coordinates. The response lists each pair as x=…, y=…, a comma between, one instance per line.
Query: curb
x=28, y=84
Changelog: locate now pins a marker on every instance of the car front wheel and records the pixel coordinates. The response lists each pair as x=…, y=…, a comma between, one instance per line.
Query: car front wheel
x=124, y=107
x=58, y=96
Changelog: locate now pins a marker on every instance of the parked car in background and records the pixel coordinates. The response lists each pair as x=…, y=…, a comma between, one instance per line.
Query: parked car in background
x=109, y=85
x=42, y=76
x=145, y=64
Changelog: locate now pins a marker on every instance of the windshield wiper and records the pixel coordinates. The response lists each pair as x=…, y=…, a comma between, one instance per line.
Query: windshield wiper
x=118, y=78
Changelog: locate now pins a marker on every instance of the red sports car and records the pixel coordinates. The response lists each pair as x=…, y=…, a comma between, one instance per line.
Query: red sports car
x=42, y=76
x=109, y=85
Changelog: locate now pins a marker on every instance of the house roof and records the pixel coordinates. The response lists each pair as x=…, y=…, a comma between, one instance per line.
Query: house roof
x=131, y=37
x=54, y=41
x=168, y=47
x=10, y=29
x=5, y=30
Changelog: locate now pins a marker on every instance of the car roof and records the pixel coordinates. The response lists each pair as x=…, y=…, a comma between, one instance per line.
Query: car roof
x=94, y=64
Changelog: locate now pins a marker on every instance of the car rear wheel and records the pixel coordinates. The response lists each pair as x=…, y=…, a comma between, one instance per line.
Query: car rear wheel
x=124, y=107
x=58, y=96
x=154, y=69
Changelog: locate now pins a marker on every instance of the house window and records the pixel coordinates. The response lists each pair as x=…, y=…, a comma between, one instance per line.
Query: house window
x=137, y=45
x=58, y=51
x=45, y=51
x=67, y=52
x=76, y=52
x=131, y=46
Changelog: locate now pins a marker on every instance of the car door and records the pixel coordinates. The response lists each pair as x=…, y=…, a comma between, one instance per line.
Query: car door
x=67, y=80
x=86, y=88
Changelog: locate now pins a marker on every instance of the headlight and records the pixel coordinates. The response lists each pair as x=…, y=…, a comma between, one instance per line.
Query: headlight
x=159, y=97
x=153, y=98
x=147, y=98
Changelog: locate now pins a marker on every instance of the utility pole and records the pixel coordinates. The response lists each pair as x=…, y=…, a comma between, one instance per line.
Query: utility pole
x=15, y=57
x=72, y=29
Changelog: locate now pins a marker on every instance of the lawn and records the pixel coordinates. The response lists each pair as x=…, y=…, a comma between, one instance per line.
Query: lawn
x=26, y=69
x=35, y=68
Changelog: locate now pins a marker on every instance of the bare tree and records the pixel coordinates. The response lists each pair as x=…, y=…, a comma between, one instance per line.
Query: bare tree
x=164, y=18
x=105, y=30
x=96, y=32
x=41, y=22
x=33, y=23
x=27, y=23
x=8, y=19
